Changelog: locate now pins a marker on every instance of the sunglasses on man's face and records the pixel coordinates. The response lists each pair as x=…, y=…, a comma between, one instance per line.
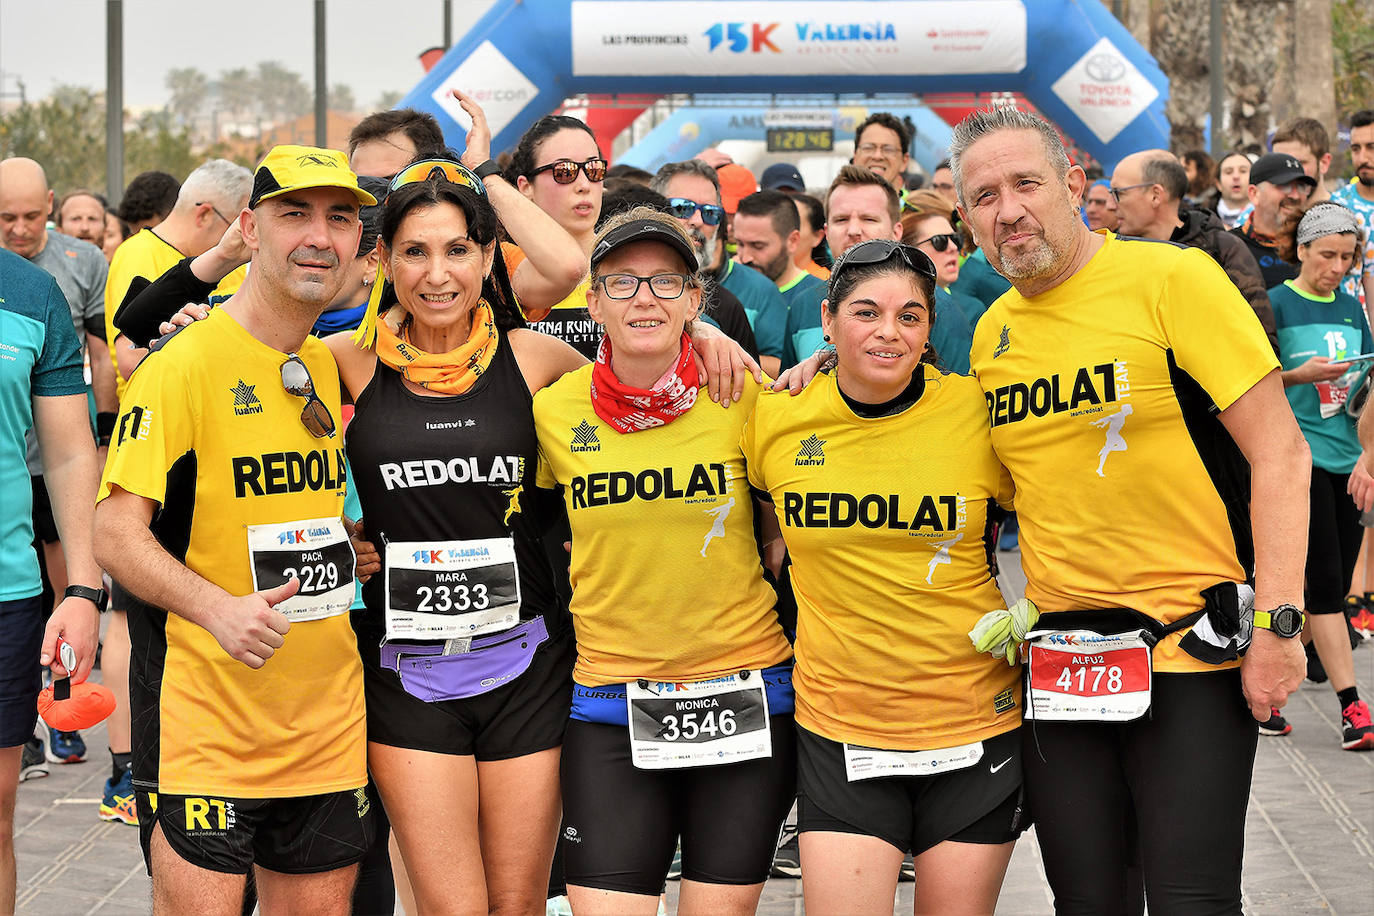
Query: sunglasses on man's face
x=295, y=378
x=565, y=171
x=944, y=240
x=683, y=208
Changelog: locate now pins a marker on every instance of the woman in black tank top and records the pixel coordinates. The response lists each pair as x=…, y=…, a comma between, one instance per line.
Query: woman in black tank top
x=466, y=648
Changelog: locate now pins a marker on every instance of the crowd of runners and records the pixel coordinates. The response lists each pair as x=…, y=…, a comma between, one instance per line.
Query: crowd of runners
x=481, y=532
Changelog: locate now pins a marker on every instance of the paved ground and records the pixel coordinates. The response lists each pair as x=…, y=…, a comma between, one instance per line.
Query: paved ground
x=1309, y=846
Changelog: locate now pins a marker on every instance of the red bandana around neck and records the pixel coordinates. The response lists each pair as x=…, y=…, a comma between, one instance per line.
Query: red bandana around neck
x=629, y=409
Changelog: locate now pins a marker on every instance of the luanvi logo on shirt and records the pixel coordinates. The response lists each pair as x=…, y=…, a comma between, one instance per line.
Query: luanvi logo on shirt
x=245, y=401
x=584, y=438
x=811, y=454
x=1004, y=344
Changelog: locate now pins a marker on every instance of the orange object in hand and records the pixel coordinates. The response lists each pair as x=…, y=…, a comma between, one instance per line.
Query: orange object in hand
x=67, y=707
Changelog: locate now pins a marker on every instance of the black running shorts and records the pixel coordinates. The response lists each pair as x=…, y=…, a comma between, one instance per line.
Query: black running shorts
x=523, y=717
x=977, y=804
x=621, y=824
x=294, y=836
x=21, y=677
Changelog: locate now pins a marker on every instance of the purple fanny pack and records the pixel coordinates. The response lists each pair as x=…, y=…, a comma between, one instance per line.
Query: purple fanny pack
x=487, y=663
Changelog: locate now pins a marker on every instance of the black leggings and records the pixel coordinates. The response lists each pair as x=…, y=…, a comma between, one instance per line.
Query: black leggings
x=1182, y=775
x=621, y=824
x=1333, y=543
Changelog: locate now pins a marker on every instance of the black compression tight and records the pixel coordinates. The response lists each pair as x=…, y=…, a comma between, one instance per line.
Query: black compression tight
x=1182, y=776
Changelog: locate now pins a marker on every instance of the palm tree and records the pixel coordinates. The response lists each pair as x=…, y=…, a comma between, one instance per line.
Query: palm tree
x=189, y=89
x=238, y=91
x=341, y=98
x=1178, y=41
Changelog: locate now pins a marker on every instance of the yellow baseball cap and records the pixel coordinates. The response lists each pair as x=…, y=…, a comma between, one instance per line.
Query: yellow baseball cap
x=294, y=168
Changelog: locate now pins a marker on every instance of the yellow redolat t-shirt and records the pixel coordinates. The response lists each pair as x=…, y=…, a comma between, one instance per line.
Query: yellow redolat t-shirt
x=208, y=432
x=666, y=578
x=1100, y=393
x=884, y=519
x=145, y=257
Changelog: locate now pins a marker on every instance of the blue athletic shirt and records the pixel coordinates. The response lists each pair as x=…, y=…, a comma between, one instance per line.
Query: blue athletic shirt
x=763, y=305
x=803, y=296
x=952, y=335
x=1334, y=327
x=978, y=279
x=39, y=357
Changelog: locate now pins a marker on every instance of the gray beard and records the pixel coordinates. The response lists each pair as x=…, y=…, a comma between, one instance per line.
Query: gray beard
x=706, y=257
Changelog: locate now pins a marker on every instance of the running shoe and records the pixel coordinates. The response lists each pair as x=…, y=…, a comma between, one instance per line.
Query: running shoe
x=1316, y=672
x=1358, y=734
x=60, y=746
x=1363, y=622
x=70, y=746
x=1276, y=726
x=787, y=860
x=32, y=764
x=118, y=802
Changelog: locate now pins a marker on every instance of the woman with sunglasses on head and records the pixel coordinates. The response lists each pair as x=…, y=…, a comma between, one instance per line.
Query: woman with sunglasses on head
x=465, y=644
x=926, y=224
x=681, y=716
x=907, y=737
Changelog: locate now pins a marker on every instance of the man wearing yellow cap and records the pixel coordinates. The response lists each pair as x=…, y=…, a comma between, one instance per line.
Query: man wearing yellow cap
x=220, y=508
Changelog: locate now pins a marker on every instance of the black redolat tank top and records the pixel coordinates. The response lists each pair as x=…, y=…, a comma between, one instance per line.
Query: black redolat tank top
x=455, y=468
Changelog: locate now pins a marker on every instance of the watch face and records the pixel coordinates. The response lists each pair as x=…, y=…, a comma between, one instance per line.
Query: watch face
x=1286, y=621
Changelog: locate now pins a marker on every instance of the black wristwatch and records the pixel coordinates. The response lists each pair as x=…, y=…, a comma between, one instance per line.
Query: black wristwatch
x=1284, y=620
x=96, y=596
x=487, y=169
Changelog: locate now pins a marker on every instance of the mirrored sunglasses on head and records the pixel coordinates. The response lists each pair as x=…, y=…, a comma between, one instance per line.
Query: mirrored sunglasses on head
x=876, y=251
x=565, y=171
x=683, y=208
x=442, y=169
x=296, y=380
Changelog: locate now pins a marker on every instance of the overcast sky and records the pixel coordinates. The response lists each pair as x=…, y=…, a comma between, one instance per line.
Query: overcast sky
x=373, y=46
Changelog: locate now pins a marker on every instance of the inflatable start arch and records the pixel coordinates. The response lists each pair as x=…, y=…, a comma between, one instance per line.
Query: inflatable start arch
x=1070, y=58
